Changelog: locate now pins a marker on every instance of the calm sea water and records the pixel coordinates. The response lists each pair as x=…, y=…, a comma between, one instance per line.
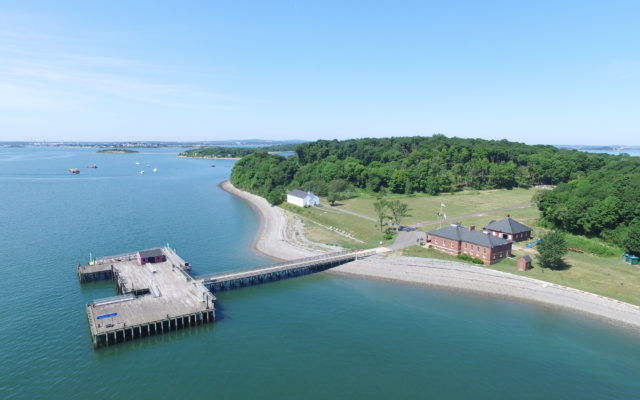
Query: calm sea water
x=319, y=336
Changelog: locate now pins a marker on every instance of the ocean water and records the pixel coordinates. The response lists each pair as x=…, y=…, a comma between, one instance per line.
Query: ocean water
x=319, y=336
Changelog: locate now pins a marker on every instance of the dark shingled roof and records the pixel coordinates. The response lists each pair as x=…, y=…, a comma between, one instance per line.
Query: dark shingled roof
x=455, y=232
x=526, y=258
x=298, y=193
x=507, y=225
x=151, y=253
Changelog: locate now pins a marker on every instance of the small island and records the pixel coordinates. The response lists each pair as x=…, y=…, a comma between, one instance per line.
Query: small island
x=235, y=152
x=116, y=151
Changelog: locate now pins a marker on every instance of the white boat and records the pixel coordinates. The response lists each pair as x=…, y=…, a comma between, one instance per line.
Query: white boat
x=141, y=172
x=155, y=170
x=137, y=163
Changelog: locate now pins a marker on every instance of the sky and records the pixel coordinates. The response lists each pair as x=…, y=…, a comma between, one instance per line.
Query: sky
x=553, y=72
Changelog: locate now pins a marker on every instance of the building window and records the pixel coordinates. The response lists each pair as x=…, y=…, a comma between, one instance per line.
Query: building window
x=452, y=244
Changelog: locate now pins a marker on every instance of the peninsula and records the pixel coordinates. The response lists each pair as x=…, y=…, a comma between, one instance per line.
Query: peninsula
x=438, y=180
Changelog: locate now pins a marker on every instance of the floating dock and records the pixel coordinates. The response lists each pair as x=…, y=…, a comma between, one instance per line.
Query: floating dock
x=157, y=295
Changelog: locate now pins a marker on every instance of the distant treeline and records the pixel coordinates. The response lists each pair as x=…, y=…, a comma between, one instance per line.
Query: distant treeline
x=606, y=204
x=116, y=151
x=235, y=152
x=417, y=164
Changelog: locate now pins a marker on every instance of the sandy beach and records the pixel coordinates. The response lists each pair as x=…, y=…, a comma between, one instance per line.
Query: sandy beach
x=280, y=237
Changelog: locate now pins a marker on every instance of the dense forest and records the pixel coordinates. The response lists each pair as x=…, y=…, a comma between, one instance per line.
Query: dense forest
x=234, y=152
x=605, y=204
x=421, y=164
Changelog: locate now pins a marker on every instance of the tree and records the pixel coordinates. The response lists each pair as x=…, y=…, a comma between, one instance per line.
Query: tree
x=332, y=197
x=551, y=249
x=276, y=196
x=337, y=189
x=398, y=211
x=631, y=239
x=380, y=208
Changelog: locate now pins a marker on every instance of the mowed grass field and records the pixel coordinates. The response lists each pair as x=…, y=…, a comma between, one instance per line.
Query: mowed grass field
x=425, y=208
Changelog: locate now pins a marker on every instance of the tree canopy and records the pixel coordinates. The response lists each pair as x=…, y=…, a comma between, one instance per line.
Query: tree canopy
x=551, y=249
x=605, y=204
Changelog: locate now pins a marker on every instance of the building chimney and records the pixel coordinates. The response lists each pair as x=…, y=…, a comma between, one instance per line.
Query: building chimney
x=472, y=228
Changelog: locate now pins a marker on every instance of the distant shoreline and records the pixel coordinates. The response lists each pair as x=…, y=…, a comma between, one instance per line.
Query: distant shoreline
x=116, y=151
x=210, y=158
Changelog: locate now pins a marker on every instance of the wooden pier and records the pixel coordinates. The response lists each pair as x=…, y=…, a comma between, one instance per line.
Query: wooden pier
x=248, y=277
x=155, y=297
x=158, y=295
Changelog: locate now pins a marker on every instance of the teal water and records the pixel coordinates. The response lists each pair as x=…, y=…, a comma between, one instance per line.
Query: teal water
x=320, y=336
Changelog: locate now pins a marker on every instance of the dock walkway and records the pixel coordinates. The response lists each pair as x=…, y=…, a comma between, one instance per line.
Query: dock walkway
x=247, y=277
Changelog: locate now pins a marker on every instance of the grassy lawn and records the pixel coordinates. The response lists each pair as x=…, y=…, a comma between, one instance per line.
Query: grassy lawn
x=606, y=276
x=364, y=230
x=424, y=207
x=320, y=234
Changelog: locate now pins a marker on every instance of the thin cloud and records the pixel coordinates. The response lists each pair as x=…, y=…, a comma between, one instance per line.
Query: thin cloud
x=31, y=69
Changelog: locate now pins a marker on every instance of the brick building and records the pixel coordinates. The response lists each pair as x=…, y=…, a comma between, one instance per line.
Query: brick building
x=509, y=229
x=455, y=240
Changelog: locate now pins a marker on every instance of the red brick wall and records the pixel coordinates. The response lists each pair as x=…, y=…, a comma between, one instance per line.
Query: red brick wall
x=486, y=254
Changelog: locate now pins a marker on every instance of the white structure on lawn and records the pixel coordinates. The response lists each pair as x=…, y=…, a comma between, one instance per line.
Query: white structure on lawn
x=302, y=199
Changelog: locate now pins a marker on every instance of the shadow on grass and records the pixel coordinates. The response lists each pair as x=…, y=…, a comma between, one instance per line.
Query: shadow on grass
x=560, y=266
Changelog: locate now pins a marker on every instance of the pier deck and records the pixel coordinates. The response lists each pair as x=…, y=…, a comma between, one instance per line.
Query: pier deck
x=156, y=297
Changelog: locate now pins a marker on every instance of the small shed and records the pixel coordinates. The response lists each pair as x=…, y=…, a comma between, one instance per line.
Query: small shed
x=150, y=256
x=524, y=263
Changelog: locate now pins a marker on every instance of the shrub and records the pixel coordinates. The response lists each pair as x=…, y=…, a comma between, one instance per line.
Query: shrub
x=466, y=257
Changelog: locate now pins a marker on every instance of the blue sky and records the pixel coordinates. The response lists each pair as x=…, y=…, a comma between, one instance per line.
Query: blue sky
x=558, y=72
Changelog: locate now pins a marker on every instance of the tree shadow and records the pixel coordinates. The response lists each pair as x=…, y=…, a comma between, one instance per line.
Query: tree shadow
x=561, y=266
